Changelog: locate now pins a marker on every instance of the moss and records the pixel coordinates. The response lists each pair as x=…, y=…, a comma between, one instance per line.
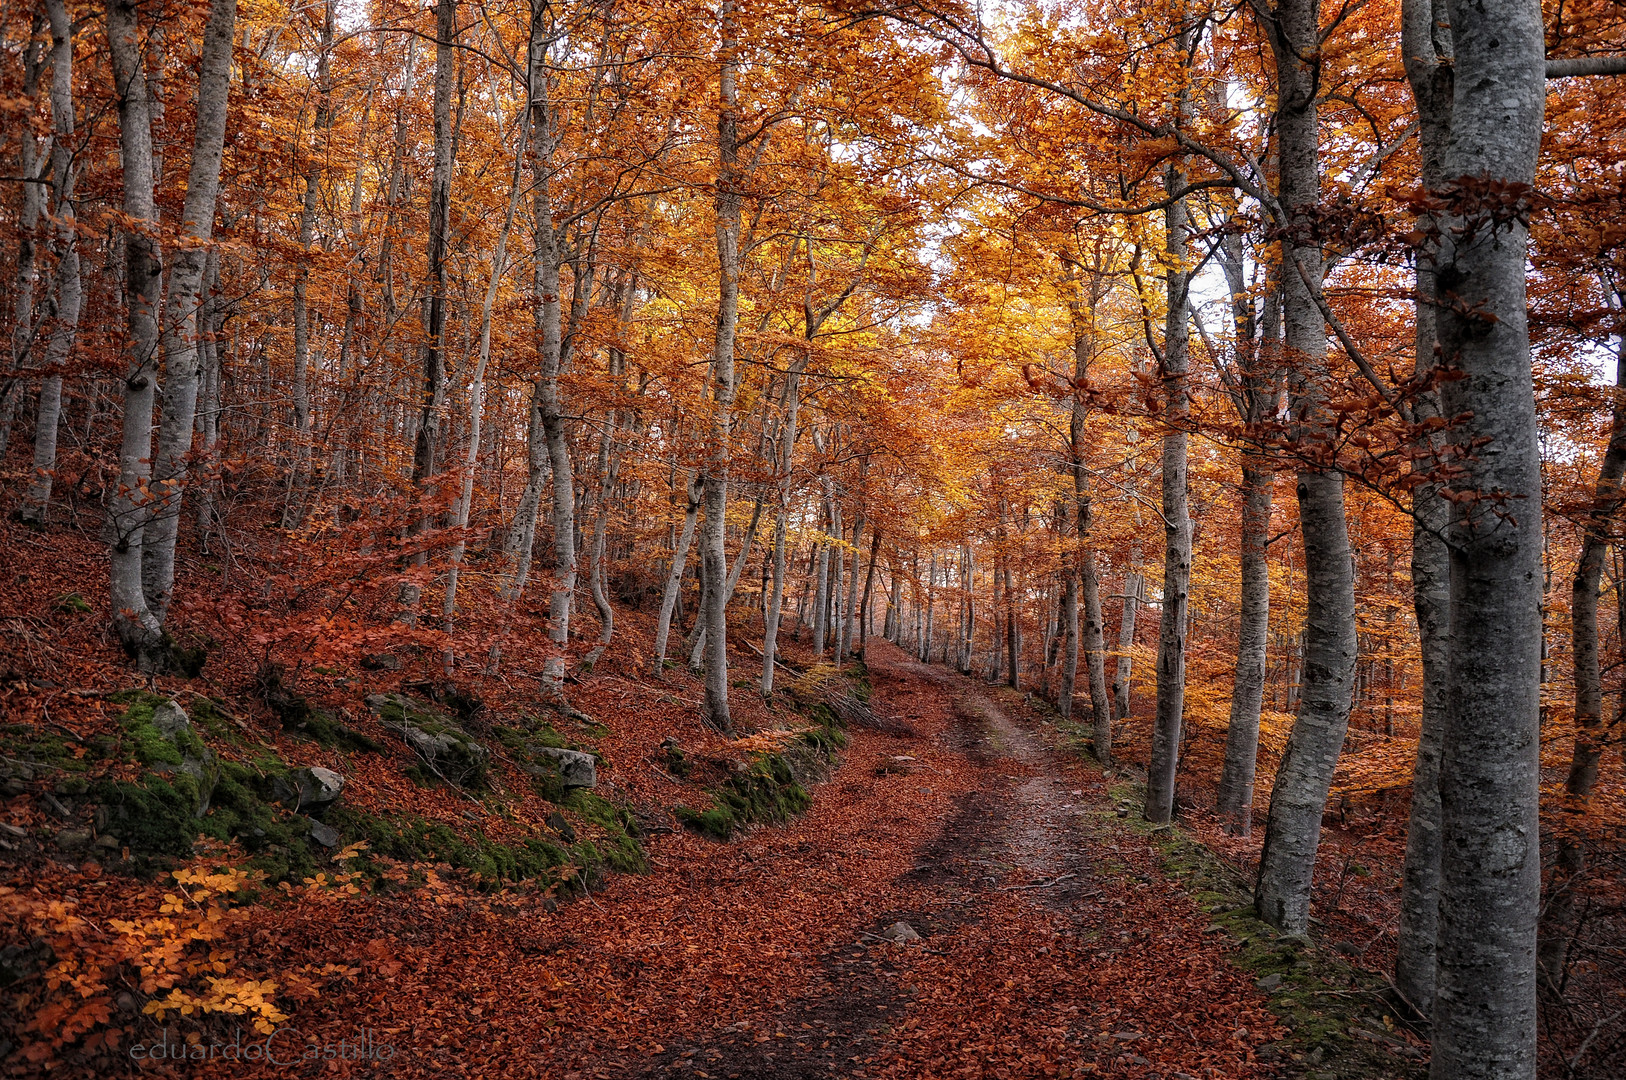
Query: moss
x=71, y=604
x=619, y=845
x=765, y=791
x=457, y=757
x=493, y=863
x=322, y=729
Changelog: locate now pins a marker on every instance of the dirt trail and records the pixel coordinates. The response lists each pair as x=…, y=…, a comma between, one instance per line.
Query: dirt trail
x=1050, y=946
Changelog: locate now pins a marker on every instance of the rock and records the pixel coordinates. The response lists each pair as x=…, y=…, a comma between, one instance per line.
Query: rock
x=196, y=760
x=109, y=841
x=576, y=768
x=1269, y=982
x=900, y=931
x=557, y=822
x=1123, y=811
x=447, y=749
x=1128, y=1036
x=317, y=788
x=73, y=839
x=323, y=834
x=13, y=830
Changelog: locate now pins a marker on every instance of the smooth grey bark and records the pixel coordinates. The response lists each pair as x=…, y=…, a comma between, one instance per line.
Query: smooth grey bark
x=787, y=452
x=714, y=479
x=293, y=511
x=1133, y=589
x=25, y=324
x=179, y=334
x=432, y=392
x=864, y=609
x=849, y=620
x=477, y=386
x=1586, y=65
x=1299, y=795
x=68, y=296
x=1171, y=643
x=674, y=577
x=1257, y=395
x=139, y=630
x=1082, y=310
x=702, y=623
x=1426, y=43
x=1484, y=1020
x=547, y=400
x=1558, y=923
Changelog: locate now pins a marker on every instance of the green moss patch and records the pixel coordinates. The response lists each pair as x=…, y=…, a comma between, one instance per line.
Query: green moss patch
x=764, y=790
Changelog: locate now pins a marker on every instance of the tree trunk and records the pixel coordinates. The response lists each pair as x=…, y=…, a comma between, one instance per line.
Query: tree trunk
x=477, y=386
x=1258, y=396
x=432, y=396
x=1134, y=587
x=787, y=452
x=715, y=478
x=1171, y=646
x=69, y=289
x=1299, y=795
x=1559, y=916
x=865, y=611
x=674, y=579
x=293, y=511
x=547, y=399
x=180, y=333
x=1490, y=852
x=1426, y=43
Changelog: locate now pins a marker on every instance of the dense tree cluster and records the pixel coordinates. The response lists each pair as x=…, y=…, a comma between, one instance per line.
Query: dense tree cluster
x=1234, y=377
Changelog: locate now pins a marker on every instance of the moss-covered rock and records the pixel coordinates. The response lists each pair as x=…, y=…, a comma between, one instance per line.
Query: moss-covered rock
x=446, y=749
x=763, y=789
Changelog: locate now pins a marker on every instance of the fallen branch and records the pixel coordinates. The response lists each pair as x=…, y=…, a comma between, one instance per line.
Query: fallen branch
x=1041, y=885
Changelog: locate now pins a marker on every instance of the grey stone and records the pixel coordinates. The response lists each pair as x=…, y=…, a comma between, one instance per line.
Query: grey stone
x=109, y=841
x=326, y=835
x=900, y=931
x=1269, y=982
x=446, y=748
x=576, y=768
x=171, y=721
x=73, y=839
x=316, y=788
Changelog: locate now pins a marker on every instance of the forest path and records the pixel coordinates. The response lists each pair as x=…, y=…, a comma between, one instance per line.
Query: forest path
x=1050, y=943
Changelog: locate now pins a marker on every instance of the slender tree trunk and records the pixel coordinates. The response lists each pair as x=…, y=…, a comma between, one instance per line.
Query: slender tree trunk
x=547, y=400
x=432, y=396
x=1133, y=588
x=139, y=630
x=180, y=332
x=715, y=477
x=674, y=578
x=702, y=624
x=787, y=452
x=849, y=622
x=1258, y=396
x=1559, y=913
x=294, y=510
x=69, y=290
x=1299, y=795
x=869, y=584
x=477, y=388
x=1171, y=649
x=1426, y=44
